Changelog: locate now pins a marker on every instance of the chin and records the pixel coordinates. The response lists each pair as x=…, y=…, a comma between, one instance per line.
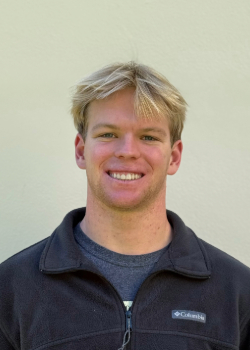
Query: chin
x=126, y=206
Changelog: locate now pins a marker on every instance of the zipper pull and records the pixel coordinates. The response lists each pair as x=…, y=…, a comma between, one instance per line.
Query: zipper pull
x=126, y=337
x=128, y=320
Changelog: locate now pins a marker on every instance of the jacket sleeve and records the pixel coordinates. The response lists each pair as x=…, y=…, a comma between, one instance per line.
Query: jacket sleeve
x=4, y=343
x=245, y=336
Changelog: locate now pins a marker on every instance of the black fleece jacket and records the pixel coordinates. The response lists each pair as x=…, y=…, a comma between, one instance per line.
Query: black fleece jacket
x=52, y=298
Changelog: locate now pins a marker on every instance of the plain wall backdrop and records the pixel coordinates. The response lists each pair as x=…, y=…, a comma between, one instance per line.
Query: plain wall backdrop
x=202, y=47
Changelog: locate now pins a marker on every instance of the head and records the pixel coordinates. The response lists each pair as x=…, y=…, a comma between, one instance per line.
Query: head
x=154, y=95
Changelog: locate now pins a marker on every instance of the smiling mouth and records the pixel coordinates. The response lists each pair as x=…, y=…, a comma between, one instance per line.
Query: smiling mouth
x=125, y=176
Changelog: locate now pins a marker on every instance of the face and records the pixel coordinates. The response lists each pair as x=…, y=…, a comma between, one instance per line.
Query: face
x=126, y=158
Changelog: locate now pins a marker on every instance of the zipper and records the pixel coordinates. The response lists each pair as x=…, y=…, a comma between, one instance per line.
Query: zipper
x=128, y=313
x=127, y=334
x=128, y=319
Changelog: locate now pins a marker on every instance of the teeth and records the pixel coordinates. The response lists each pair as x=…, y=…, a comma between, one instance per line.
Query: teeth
x=128, y=176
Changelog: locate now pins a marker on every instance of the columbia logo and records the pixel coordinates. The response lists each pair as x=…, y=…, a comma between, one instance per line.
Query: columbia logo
x=189, y=315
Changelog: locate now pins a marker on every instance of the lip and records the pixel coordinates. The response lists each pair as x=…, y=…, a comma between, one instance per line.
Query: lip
x=122, y=171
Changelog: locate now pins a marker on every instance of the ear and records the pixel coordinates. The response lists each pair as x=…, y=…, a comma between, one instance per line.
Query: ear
x=175, y=159
x=79, y=151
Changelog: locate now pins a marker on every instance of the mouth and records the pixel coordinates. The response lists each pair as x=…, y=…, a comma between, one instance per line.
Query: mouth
x=125, y=176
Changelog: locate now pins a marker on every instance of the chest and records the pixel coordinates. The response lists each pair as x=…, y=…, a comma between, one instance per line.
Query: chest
x=83, y=310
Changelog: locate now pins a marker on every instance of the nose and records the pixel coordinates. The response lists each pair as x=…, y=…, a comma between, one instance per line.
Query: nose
x=127, y=147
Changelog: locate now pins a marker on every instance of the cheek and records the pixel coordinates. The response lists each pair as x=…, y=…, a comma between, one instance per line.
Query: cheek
x=98, y=153
x=157, y=158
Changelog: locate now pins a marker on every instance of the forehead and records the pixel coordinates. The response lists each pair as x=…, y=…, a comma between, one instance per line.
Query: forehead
x=119, y=108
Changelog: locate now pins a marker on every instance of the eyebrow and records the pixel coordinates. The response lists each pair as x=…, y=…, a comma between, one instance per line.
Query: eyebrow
x=115, y=127
x=105, y=125
x=157, y=130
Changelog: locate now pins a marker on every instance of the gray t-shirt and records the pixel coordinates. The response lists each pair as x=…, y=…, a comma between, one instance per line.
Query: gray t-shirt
x=125, y=272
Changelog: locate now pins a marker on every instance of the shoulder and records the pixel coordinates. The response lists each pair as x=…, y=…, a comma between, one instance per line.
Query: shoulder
x=231, y=279
x=23, y=263
x=227, y=269
x=21, y=280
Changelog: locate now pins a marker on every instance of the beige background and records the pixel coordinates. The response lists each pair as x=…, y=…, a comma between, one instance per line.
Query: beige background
x=202, y=47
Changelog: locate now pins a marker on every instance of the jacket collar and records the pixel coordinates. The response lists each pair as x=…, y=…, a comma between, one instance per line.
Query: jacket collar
x=186, y=254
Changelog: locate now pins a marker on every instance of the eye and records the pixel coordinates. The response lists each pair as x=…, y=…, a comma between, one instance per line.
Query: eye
x=149, y=138
x=107, y=135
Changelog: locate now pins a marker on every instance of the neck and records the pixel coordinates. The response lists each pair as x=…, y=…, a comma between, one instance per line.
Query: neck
x=128, y=232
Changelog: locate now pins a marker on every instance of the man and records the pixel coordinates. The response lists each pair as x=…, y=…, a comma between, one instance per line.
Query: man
x=123, y=273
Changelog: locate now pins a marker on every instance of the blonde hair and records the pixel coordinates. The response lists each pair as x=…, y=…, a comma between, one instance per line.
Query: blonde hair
x=154, y=95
